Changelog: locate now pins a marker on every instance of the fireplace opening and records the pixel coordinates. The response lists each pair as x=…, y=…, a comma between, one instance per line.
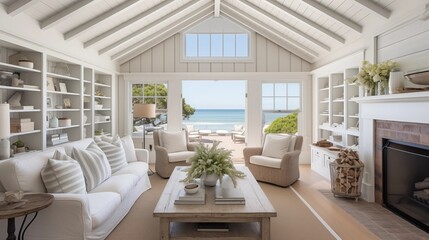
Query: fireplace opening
x=406, y=181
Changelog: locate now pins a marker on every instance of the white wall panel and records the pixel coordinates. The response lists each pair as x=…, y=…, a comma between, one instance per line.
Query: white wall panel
x=167, y=56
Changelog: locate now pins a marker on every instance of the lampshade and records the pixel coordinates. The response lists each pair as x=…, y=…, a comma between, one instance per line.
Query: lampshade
x=4, y=121
x=144, y=110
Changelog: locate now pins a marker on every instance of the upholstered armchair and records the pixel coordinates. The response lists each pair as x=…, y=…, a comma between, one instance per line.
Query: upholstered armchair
x=172, y=149
x=277, y=162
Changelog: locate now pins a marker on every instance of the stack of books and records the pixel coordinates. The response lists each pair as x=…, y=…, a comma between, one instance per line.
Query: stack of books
x=229, y=195
x=190, y=199
x=213, y=227
x=55, y=139
x=18, y=125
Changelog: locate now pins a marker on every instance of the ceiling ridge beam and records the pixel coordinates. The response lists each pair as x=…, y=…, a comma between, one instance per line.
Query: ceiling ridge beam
x=19, y=6
x=145, y=28
x=267, y=31
x=96, y=20
x=334, y=15
x=375, y=7
x=216, y=8
x=125, y=24
x=307, y=21
x=287, y=26
x=60, y=16
x=178, y=26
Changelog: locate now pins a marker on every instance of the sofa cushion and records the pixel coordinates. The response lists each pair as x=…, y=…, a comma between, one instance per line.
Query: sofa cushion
x=94, y=164
x=63, y=176
x=180, y=156
x=276, y=145
x=102, y=206
x=114, y=151
x=23, y=173
x=130, y=151
x=265, y=161
x=173, y=141
x=136, y=168
x=120, y=184
x=81, y=144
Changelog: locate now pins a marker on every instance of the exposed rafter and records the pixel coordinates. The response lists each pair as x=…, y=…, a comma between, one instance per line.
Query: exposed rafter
x=165, y=33
x=62, y=15
x=216, y=8
x=307, y=21
x=375, y=7
x=125, y=24
x=269, y=33
x=334, y=15
x=288, y=26
x=92, y=22
x=145, y=28
x=19, y=6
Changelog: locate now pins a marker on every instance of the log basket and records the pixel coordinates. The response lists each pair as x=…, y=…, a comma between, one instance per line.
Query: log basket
x=346, y=175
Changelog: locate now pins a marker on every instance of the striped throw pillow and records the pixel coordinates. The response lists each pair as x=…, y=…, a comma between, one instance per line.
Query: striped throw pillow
x=114, y=151
x=94, y=165
x=62, y=174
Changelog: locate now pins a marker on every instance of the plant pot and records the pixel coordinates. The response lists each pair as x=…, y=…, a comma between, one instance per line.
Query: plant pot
x=210, y=180
x=20, y=149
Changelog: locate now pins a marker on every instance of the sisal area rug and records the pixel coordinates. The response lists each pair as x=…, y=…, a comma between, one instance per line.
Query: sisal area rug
x=294, y=220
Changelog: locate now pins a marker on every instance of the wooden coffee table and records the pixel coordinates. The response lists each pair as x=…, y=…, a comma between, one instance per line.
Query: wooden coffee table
x=249, y=221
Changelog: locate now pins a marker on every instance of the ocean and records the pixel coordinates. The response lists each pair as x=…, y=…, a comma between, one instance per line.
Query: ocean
x=221, y=119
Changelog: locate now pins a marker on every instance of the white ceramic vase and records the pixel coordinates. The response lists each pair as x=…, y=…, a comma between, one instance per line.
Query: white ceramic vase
x=210, y=180
x=396, y=82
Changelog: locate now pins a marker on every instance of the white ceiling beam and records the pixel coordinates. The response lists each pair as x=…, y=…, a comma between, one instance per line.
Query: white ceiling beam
x=94, y=21
x=19, y=6
x=334, y=15
x=375, y=7
x=142, y=30
x=125, y=24
x=62, y=15
x=163, y=34
x=288, y=26
x=216, y=8
x=269, y=33
x=307, y=21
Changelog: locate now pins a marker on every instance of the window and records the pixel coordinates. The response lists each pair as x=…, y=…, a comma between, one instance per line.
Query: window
x=150, y=93
x=216, y=45
x=279, y=100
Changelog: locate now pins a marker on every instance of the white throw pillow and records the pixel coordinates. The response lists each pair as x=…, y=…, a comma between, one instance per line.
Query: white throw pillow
x=94, y=164
x=114, y=151
x=62, y=174
x=130, y=151
x=276, y=145
x=174, y=141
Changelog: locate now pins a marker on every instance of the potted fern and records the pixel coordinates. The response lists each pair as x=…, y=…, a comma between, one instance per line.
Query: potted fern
x=210, y=164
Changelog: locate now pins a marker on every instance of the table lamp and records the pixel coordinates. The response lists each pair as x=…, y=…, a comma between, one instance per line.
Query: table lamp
x=144, y=110
x=4, y=131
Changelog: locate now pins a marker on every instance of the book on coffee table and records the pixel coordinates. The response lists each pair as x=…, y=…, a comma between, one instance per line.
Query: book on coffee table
x=213, y=227
x=196, y=198
x=229, y=195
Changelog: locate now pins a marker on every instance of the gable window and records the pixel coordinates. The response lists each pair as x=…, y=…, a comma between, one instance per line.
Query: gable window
x=216, y=45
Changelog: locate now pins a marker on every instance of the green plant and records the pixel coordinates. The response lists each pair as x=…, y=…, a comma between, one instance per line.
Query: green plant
x=288, y=124
x=19, y=144
x=212, y=160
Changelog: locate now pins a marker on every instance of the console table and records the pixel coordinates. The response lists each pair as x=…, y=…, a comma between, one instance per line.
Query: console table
x=35, y=203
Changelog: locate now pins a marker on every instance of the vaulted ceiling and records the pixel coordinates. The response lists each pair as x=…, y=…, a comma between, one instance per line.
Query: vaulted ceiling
x=121, y=28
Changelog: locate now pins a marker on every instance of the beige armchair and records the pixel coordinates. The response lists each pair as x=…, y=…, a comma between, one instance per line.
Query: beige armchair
x=172, y=149
x=277, y=162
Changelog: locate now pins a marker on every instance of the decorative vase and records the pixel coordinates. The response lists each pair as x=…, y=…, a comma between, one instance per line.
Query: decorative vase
x=380, y=89
x=369, y=91
x=53, y=123
x=396, y=83
x=210, y=180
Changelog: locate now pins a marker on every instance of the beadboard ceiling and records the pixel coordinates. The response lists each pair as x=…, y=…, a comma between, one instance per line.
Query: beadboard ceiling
x=310, y=29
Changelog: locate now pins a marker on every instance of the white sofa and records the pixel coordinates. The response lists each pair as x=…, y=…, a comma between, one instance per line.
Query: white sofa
x=75, y=216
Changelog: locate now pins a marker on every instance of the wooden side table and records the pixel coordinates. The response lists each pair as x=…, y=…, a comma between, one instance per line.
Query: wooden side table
x=35, y=203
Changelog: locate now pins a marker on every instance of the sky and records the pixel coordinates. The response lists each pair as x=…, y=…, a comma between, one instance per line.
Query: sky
x=211, y=94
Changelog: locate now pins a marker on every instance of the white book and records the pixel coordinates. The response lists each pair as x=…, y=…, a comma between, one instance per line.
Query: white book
x=229, y=193
x=198, y=196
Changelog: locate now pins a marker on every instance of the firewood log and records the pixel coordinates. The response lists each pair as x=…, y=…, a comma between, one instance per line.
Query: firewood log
x=421, y=185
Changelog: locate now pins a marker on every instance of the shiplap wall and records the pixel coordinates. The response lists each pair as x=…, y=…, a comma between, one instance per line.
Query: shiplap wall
x=407, y=44
x=167, y=57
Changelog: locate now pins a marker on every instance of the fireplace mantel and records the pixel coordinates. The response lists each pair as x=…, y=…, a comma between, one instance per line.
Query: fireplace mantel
x=403, y=107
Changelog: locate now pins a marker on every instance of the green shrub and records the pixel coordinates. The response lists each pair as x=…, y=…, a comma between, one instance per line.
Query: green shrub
x=288, y=124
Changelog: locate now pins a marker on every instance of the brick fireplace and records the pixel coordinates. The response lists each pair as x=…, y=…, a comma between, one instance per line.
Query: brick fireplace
x=416, y=133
